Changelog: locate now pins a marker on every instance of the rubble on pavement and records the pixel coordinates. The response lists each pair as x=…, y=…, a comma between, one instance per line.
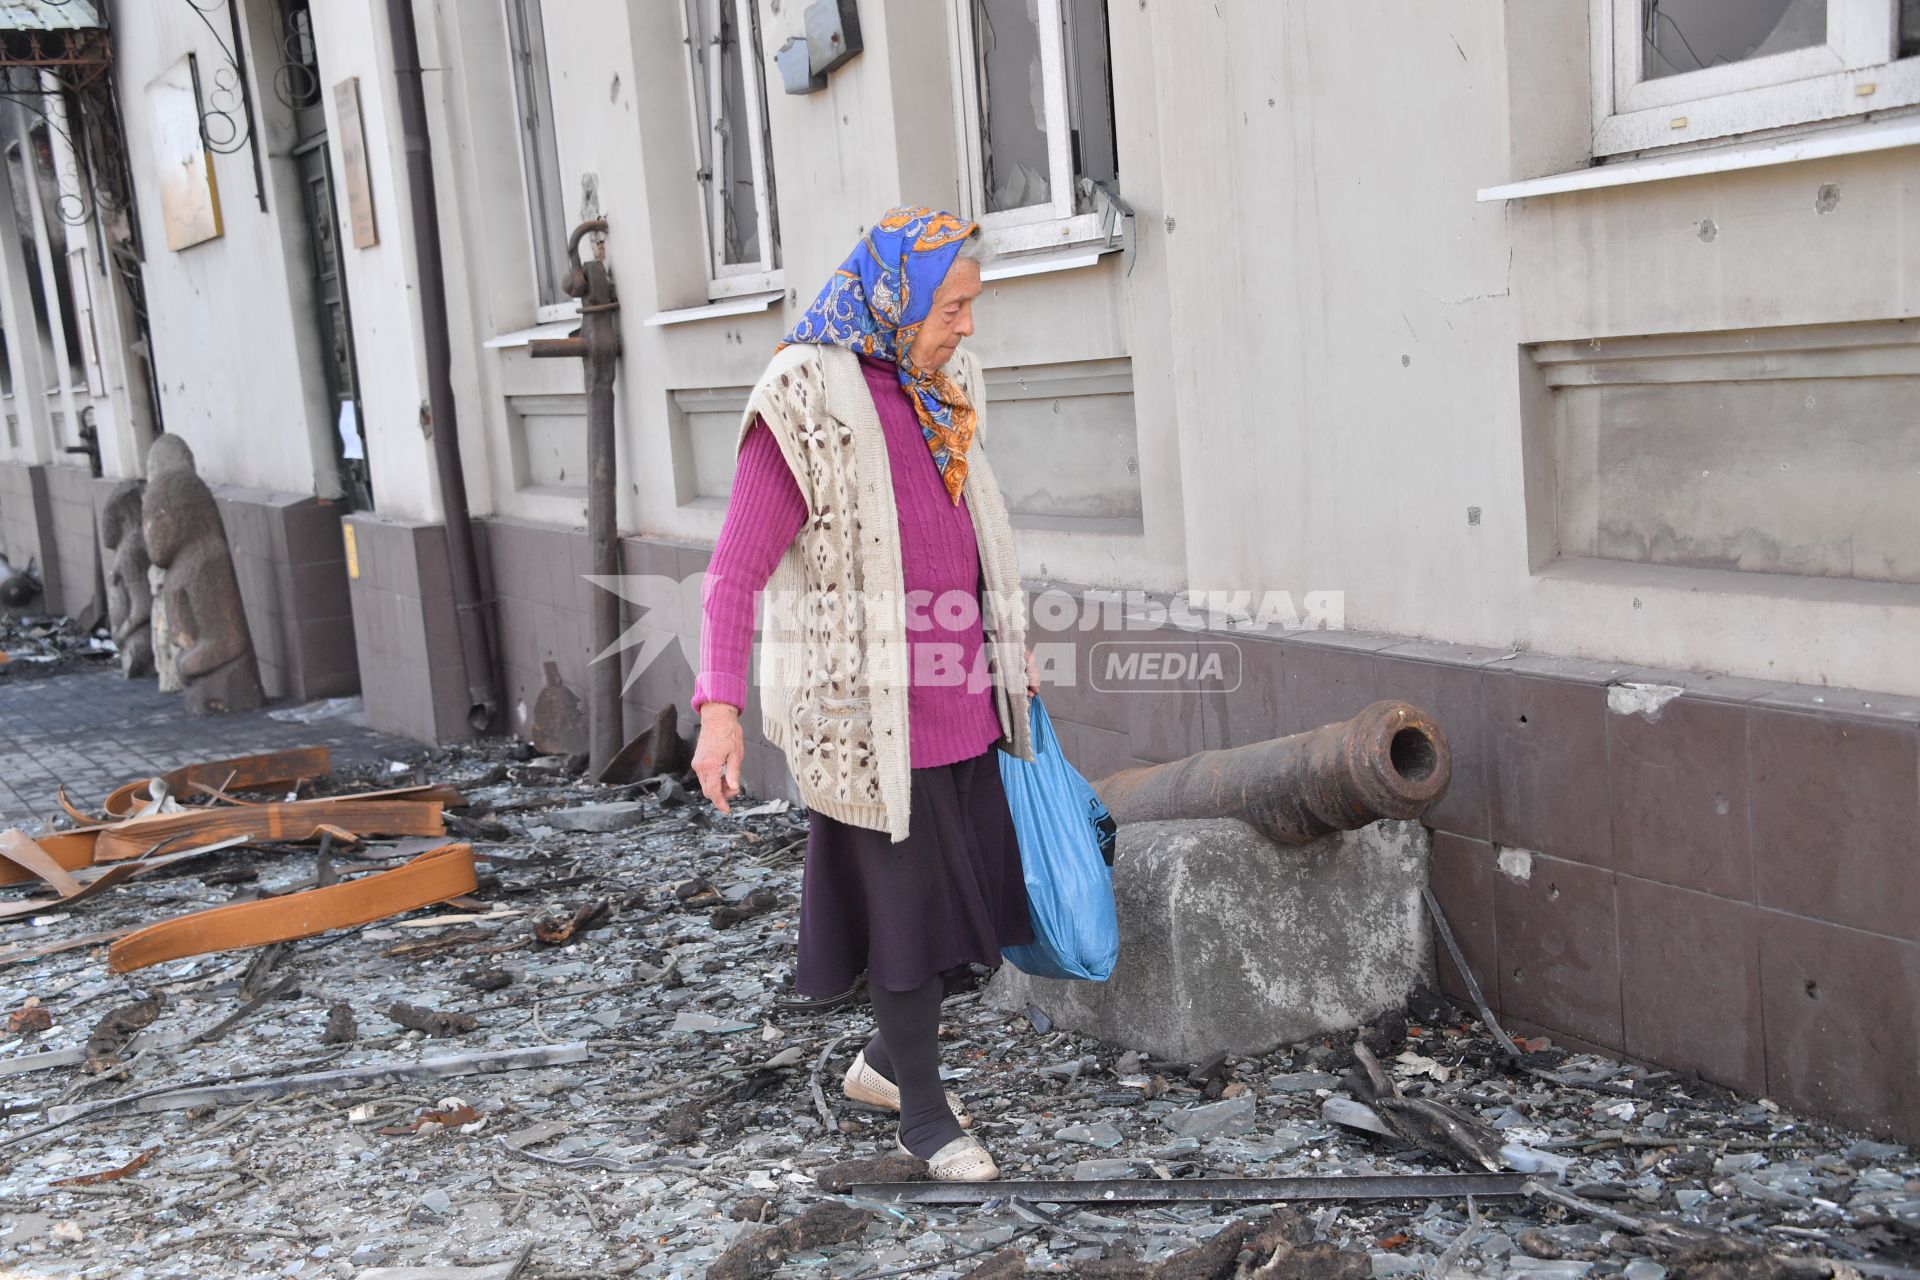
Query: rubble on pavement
x=583, y=1072
x=33, y=648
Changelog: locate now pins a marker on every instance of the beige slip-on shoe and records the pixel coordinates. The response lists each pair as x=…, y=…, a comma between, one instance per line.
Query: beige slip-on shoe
x=863, y=1084
x=962, y=1160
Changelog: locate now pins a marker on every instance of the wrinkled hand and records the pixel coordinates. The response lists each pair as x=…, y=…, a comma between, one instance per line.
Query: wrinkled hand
x=718, y=755
x=1033, y=676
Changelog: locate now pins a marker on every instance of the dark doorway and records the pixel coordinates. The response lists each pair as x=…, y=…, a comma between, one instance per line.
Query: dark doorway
x=298, y=84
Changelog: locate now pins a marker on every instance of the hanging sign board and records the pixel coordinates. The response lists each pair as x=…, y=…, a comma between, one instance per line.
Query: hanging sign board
x=353, y=162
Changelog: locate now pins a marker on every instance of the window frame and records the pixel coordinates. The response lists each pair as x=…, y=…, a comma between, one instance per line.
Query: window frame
x=1036, y=227
x=705, y=76
x=1855, y=73
x=532, y=76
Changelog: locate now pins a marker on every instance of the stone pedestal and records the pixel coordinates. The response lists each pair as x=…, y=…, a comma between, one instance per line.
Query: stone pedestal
x=1231, y=942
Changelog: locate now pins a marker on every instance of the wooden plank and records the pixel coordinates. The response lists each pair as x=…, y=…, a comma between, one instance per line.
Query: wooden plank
x=294, y=820
x=270, y=770
x=19, y=849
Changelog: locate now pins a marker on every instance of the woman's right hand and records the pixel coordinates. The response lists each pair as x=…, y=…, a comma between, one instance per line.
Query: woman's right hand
x=718, y=755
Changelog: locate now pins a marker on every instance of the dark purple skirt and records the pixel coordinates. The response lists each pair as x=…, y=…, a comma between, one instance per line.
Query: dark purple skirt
x=951, y=893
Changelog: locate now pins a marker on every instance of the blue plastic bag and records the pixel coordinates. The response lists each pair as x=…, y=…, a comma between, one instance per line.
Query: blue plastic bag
x=1066, y=851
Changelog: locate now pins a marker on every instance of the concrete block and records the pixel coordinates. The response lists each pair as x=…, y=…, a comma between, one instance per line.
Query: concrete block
x=1230, y=942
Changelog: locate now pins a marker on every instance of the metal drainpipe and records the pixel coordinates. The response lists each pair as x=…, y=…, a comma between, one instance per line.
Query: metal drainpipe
x=476, y=650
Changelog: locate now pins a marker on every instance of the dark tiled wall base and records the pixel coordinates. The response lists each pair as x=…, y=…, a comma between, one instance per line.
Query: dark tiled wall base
x=26, y=525
x=1731, y=885
x=72, y=495
x=291, y=561
x=405, y=629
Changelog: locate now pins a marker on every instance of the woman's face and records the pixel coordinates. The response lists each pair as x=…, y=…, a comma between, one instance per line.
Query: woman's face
x=951, y=318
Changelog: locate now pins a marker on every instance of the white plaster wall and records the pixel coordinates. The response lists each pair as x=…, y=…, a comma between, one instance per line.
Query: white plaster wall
x=235, y=381
x=881, y=134
x=1325, y=327
x=1638, y=260
x=1341, y=315
x=1347, y=324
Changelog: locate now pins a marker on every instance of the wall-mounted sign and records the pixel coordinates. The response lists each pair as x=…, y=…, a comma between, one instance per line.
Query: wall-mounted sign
x=189, y=194
x=353, y=162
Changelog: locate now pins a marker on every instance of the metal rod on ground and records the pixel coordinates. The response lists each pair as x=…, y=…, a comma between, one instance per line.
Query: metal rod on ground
x=190, y=1096
x=1466, y=976
x=1410, y=1186
x=1652, y=1227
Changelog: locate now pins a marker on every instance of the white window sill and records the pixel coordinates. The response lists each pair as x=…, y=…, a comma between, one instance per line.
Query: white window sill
x=727, y=307
x=521, y=337
x=1047, y=235
x=739, y=282
x=1035, y=264
x=553, y=312
x=1875, y=135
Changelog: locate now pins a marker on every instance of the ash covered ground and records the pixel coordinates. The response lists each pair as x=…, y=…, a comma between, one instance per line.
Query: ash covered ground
x=690, y=1125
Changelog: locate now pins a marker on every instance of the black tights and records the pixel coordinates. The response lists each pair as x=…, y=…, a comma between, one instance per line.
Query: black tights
x=906, y=1050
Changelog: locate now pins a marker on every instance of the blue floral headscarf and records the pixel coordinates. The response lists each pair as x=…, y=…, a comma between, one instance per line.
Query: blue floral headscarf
x=874, y=306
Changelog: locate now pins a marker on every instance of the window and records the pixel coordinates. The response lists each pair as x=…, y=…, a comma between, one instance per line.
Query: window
x=1036, y=127
x=732, y=143
x=540, y=155
x=1669, y=71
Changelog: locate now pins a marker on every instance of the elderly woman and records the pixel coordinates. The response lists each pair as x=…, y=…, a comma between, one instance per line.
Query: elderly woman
x=863, y=504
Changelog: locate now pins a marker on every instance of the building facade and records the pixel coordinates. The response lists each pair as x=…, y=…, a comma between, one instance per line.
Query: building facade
x=1553, y=348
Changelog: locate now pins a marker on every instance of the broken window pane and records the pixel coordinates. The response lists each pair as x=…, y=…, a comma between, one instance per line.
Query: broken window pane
x=1689, y=35
x=1089, y=89
x=1013, y=111
x=725, y=53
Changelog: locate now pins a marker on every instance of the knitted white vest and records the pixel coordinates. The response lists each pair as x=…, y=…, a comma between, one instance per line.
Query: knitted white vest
x=833, y=658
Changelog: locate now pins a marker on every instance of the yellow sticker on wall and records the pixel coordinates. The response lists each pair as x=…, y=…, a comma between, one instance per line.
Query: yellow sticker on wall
x=353, y=552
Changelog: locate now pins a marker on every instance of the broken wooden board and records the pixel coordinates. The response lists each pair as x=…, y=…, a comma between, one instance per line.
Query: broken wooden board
x=272, y=770
x=34, y=906
x=18, y=848
x=70, y=850
x=86, y=881
x=436, y=876
x=293, y=820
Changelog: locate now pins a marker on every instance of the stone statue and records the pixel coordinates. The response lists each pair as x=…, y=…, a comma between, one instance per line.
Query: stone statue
x=129, y=593
x=206, y=620
x=166, y=451
x=166, y=658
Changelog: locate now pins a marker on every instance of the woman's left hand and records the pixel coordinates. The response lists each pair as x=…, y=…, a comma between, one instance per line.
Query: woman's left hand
x=1033, y=676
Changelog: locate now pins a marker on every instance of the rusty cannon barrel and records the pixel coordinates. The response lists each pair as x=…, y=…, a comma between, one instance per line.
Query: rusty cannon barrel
x=1390, y=761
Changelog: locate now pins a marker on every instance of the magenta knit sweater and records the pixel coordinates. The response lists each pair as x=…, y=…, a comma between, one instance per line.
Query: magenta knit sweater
x=950, y=713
